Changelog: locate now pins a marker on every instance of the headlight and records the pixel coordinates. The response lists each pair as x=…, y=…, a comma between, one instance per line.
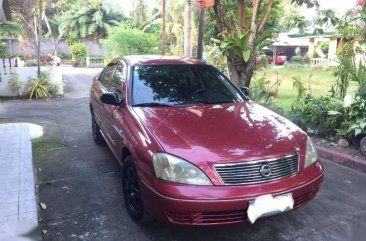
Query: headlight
x=174, y=169
x=311, y=153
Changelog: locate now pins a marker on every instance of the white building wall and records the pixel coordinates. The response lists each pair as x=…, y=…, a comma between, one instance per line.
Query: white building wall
x=24, y=74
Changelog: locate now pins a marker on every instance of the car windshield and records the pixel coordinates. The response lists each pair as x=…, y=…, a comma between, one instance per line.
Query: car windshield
x=169, y=85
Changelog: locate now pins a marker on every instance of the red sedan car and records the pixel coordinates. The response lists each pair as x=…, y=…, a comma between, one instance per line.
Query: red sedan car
x=194, y=149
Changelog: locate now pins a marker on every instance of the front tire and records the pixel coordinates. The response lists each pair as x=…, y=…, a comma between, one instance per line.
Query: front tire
x=131, y=191
x=97, y=135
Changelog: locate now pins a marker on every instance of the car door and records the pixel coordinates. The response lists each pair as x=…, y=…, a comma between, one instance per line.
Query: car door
x=100, y=109
x=115, y=113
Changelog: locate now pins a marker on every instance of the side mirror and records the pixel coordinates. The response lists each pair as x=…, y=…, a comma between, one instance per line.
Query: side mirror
x=245, y=91
x=110, y=98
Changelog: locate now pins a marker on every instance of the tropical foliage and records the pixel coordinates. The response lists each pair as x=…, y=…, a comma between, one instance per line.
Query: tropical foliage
x=9, y=29
x=342, y=111
x=40, y=87
x=14, y=83
x=244, y=27
x=263, y=90
x=78, y=51
x=329, y=116
x=125, y=41
x=89, y=20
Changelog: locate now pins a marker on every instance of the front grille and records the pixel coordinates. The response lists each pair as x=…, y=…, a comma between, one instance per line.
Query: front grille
x=260, y=171
x=207, y=218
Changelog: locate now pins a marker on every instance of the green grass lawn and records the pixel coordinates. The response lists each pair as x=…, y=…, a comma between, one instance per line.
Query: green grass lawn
x=322, y=81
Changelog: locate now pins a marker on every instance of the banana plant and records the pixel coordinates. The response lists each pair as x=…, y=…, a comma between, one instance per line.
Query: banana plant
x=235, y=45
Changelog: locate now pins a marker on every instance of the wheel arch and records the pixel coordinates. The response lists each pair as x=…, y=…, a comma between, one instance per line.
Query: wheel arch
x=125, y=153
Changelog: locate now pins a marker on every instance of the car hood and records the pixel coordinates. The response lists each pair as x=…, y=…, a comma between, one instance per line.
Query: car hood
x=221, y=133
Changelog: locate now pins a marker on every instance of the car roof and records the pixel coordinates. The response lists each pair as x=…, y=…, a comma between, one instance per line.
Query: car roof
x=138, y=60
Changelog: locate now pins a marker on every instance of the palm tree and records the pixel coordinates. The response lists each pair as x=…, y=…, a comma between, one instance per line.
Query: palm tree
x=91, y=21
x=174, y=27
x=188, y=29
x=163, y=32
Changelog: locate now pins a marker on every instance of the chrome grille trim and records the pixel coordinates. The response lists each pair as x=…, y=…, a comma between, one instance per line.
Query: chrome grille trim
x=246, y=173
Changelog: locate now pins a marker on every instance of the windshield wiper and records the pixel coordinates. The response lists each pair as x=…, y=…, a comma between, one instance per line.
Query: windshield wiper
x=205, y=102
x=152, y=104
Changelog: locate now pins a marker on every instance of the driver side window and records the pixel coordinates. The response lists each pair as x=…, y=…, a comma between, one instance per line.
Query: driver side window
x=106, y=76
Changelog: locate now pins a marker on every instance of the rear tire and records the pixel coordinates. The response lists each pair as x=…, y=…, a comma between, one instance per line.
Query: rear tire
x=131, y=192
x=97, y=135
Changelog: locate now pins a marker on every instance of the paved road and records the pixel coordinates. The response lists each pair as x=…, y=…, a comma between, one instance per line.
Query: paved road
x=81, y=184
x=78, y=81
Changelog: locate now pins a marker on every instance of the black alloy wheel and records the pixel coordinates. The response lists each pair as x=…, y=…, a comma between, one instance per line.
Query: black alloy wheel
x=131, y=190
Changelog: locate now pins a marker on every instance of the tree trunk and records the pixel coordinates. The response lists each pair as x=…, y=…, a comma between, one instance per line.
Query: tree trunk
x=163, y=32
x=39, y=36
x=241, y=14
x=188, y=29
x=241, y=72
x=248, y=72
x=201, y=23
x=6, y=8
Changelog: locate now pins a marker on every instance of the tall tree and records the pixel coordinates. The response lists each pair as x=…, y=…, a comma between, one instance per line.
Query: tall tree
x=41, y=5
x=175, y=28
x=139, y=14
x=188, y=29
x=163, y=27
x=242, y=27
x=24, y=14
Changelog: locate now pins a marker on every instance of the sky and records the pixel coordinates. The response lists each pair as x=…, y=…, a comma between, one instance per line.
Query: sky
x=341, y=6
x=127, y=5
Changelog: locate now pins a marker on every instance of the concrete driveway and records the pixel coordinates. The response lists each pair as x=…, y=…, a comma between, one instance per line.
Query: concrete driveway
x=78, y=81
x=81, y=184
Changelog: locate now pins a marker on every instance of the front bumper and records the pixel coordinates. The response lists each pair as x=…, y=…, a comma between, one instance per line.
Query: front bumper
x=217, y=205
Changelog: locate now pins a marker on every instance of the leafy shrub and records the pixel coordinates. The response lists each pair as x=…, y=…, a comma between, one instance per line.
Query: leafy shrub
x=262, y=90
x=314, y=115
x=3, y=52
x=30, y=63
x=307, y=59
x=299, y=85
x=124, y=41
x=214, y=57
x=40, y=88
x=324, y=47
x=353, y=115
x=316, y=55
x=298, y=59
x=264, y=60
x=329, y=116
x=9, y=29
x=78, y=51
x=64, y=56
x=15, y=84
x=350, y=70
